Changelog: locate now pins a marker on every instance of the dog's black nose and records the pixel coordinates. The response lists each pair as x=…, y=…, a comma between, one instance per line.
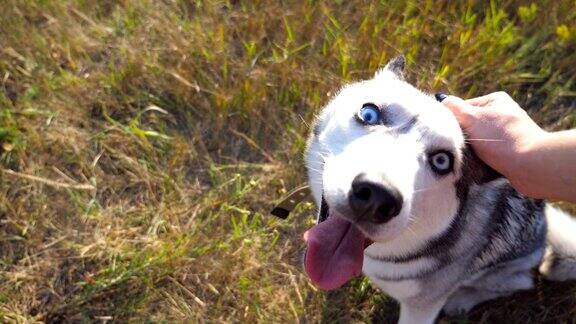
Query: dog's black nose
x=373, y=201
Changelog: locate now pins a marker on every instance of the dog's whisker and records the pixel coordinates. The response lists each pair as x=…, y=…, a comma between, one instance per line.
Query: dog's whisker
x=483, y=140
x=411, y=221
x=324, y=157
x=424, y=190
x=428, y=188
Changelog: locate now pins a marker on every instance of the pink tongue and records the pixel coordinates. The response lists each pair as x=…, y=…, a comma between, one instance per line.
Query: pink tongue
x=335, y=252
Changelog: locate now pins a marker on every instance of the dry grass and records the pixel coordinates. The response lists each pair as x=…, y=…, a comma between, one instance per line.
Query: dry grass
x=143, y=142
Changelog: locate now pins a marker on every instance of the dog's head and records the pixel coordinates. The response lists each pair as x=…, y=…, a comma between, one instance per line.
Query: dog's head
x=383, y=162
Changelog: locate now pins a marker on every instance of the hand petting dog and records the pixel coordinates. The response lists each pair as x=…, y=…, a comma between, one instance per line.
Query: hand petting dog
x=539, y=164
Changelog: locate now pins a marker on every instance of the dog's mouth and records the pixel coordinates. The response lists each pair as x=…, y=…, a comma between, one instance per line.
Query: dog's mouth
x=335, y=250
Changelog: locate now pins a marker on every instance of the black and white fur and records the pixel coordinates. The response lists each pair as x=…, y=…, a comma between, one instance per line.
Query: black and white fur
x=461, y=238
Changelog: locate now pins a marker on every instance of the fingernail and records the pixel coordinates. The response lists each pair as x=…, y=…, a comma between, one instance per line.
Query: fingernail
x=440, y=96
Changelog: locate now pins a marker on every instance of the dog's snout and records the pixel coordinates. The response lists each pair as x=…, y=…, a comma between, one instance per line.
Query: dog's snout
x=377, y=202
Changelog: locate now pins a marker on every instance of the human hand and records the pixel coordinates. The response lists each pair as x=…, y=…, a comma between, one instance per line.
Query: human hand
x=500, y=132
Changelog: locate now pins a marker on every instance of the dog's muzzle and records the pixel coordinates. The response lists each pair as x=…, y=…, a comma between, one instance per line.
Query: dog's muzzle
x=375, y=202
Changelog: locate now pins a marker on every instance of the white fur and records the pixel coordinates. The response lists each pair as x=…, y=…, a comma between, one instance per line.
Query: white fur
x=559, y=259
x=375, y=268
x=413, y=314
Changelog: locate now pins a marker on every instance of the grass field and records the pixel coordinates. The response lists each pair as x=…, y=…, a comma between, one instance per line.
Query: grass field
x=142, y=144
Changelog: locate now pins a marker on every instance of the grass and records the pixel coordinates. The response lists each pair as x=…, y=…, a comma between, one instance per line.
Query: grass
x=142, y=144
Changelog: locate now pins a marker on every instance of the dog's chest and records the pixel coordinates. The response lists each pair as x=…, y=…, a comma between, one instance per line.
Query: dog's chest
x=400, y=280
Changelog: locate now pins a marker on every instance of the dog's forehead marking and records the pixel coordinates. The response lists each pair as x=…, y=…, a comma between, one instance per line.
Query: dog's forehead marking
x=394, y=96
x=406, y=127
x=405, y=110
x=433, y=126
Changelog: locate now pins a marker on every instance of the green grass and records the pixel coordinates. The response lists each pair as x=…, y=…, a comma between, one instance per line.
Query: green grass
x=147, y=141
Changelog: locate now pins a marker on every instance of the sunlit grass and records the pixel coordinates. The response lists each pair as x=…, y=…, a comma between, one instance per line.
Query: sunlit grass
x=149, y=139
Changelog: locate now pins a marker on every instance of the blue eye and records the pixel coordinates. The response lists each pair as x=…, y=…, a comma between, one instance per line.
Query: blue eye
x=442, y=162
x=369, y=114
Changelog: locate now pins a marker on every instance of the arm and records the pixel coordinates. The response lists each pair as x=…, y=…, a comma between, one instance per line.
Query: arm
x=550, y=167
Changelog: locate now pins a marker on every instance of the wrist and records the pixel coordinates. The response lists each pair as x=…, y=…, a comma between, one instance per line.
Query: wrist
x=528, y=158
x=532, y=149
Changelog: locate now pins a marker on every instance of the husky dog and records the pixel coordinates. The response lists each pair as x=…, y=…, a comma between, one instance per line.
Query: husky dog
x=405, y=200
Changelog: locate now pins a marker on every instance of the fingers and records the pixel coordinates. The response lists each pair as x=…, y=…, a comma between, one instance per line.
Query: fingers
x=463, y=111
x=481, y=101
x=487, y=99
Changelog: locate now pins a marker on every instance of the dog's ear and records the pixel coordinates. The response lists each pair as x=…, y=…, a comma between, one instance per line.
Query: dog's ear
x=476, y=170
x=395, y=67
